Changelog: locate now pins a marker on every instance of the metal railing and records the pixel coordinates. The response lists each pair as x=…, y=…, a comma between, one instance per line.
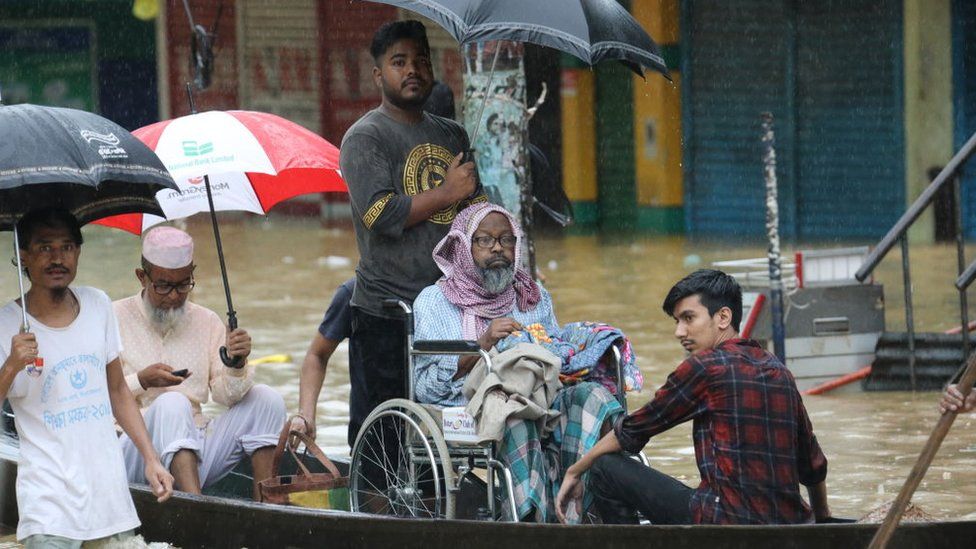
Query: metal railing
x=899, y=234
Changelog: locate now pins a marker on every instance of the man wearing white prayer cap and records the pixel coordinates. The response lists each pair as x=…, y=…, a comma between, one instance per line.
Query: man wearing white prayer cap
x=171, y=358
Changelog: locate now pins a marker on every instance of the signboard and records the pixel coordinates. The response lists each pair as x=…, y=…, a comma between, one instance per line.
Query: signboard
x=49, y=62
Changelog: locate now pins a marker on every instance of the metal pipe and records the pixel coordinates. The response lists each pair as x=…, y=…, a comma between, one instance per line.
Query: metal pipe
x=772, y=232
x=915, y=210
x=909, y=311
x=966, y=278
x=619, y=368
x=961, y=263
x=489, y=454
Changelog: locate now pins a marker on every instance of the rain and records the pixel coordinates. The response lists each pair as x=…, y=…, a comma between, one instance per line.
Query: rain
x=625, y=178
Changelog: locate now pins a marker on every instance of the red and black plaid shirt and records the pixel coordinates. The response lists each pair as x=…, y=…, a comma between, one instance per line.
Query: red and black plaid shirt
x=753, y=440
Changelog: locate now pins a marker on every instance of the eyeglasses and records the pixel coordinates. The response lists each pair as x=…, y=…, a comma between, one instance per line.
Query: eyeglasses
x=488, y=242
x=164, y=288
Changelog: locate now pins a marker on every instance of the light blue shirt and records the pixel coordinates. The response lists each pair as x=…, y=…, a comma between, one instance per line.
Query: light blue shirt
x=437, y=318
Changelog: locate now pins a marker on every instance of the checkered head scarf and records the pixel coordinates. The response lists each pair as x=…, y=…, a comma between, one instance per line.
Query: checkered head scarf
x=462, y=280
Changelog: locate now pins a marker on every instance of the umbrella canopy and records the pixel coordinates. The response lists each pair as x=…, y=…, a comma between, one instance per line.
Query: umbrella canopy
x=592, y=30
x=76, y=160
x=253, y=160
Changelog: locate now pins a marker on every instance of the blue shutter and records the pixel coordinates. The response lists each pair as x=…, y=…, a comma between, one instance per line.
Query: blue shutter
x=830, y=72
x=734, y=69
x=964, y=82
x=850, y=158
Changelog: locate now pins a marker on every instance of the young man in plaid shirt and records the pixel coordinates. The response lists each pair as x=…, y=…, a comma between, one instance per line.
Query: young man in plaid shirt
x=753, y=440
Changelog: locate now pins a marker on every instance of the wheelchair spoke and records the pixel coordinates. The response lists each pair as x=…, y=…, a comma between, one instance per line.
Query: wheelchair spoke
x=398, y=442
x=382, y=455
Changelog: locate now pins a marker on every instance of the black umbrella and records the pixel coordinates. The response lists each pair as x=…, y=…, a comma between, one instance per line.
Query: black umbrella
x=592, y=30
x=75, y=160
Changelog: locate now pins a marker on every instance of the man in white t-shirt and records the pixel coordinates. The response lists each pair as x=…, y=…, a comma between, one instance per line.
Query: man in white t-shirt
x=64, y=382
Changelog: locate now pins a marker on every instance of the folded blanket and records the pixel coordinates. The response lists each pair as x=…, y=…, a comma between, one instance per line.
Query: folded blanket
x=522, y=384
x=583, y=349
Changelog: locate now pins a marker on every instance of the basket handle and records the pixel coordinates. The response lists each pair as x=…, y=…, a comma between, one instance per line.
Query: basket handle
x=286, y=434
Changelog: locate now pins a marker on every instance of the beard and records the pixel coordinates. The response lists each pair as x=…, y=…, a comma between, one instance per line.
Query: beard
x=163, y=320
x=496, y=280
x=394, y=96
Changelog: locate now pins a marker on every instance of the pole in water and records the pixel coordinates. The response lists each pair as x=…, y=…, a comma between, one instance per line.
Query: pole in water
x=772, y=232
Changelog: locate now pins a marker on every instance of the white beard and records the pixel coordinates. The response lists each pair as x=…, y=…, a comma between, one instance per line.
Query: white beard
x=496, y=280
x=163, y=320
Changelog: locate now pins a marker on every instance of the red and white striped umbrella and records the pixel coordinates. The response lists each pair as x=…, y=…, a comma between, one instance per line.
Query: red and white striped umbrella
x=254, y=160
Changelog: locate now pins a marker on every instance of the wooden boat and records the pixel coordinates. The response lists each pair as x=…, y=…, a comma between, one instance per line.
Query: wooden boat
x=227, y=521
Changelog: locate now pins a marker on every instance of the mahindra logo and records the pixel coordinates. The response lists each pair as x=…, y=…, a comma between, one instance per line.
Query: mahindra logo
x=106, y=138
x=194, y=180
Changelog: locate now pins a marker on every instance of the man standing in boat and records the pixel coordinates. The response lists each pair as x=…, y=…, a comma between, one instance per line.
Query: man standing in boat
x=64, y=382
x=754, y=442
x=172, y=364
x=406, y=183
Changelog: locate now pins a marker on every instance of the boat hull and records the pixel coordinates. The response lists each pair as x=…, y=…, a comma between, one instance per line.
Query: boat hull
x=191, y=521
x=202, y=521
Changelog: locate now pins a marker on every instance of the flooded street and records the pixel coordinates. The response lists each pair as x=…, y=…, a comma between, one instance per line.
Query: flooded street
x=283, y=273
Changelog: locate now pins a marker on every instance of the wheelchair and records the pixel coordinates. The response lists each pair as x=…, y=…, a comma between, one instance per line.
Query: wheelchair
x=421, y=473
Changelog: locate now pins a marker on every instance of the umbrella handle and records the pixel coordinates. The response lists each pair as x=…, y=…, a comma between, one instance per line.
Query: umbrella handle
x=236, y=362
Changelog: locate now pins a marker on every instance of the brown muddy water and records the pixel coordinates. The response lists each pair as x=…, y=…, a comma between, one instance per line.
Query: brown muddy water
x=283, y=273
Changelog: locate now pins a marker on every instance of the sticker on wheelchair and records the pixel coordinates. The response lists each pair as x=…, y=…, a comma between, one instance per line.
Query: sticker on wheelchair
x=458, y=426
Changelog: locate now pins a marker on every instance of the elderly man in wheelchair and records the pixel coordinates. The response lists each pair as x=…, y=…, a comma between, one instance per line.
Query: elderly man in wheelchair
x=531, y=426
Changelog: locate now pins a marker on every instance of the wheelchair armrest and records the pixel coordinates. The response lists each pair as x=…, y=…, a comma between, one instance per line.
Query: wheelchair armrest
x=447, y=347
x=394, y=304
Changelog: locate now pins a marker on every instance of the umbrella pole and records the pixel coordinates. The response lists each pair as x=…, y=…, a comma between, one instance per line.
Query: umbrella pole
x=231, y=313
x=484, y=101
x=25, y=324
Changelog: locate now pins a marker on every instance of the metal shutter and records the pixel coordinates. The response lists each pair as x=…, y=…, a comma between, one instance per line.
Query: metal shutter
x=850, y=163
x=964, y=83
x=734, y=68
x=830, y=72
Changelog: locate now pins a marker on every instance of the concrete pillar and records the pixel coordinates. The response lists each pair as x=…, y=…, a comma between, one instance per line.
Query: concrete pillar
x=928, y=99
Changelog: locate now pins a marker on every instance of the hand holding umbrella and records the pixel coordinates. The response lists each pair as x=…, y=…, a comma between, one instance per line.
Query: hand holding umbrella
x=23, y=350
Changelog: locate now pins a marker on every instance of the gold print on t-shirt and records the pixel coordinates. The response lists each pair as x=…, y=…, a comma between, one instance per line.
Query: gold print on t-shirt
x=425, y=169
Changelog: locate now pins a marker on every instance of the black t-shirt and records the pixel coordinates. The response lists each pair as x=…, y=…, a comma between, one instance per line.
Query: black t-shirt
x=385, y=163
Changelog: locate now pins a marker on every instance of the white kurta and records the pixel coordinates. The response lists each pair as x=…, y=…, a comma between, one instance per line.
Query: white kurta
x=193, y=344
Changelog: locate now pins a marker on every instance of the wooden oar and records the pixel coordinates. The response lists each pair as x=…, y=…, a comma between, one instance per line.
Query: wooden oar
x=884, y=533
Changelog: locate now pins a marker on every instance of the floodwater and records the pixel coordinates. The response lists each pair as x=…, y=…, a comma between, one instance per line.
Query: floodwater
x=283, y=273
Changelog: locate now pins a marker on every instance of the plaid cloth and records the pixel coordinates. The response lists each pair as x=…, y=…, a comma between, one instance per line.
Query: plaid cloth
x=537, y=465
x=753, y=439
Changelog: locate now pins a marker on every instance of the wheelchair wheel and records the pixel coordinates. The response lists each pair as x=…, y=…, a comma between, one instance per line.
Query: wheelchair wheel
x=400, y=465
